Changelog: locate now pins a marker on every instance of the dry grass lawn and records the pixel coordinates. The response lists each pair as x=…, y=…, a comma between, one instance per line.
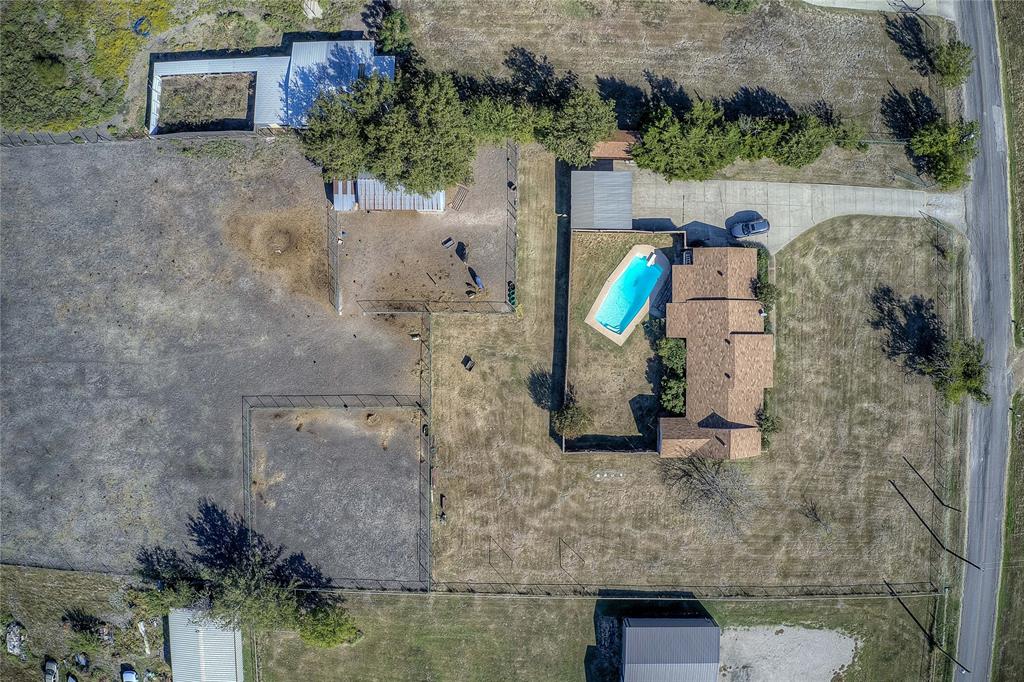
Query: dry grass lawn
x=1009, y=646
x=1010, y=17
x=616, y=383
x=484, y=639
x=206, y=102
x=793, y=51
x=848, y=415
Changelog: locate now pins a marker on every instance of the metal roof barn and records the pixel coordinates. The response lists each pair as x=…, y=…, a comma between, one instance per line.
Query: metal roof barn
x=286, y=86
x=373, y=195
x=203, y=651
x=601, y=200
x=670, y=650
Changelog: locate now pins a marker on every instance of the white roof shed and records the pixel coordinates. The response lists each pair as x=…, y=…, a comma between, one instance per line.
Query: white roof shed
x=202, y=650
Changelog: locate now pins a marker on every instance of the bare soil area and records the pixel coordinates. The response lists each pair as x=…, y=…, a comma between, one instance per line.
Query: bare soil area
x=207, y=102
x=785, y=653
x=342, y=487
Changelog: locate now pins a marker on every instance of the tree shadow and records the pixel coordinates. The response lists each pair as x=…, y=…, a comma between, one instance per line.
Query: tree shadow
x=668, y=92
x=631, y=101
x=757, y=102
x=915, y=335
x=906, y=113
x=542, y=389
x=537, y=79
x=222, y=542
x=603, y=659
x=81, y=621
x=907, y=32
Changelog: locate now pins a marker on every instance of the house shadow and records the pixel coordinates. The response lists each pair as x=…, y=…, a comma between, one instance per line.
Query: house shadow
x=603, y=659
x=702, y=234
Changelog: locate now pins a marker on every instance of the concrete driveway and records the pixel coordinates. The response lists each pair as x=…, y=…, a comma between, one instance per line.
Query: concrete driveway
x=706, y=209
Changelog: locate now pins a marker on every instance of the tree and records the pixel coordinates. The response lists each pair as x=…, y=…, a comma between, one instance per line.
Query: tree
x=947, y=150
x=850, y=136
x=494, y=120
x=327, y=626
x=412, y=133
x=964, y=372
x=693, y=147
x=803, y=141
x=673, y=394
x=953, y=62
x=718, y=487
x=573, y=419
x=248, y=593
x=393, y=36
x=760, y=136
x=576, y=125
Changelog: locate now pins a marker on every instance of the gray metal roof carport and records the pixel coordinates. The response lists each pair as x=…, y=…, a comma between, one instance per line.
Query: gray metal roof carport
x=601, y=200
x=202, y=650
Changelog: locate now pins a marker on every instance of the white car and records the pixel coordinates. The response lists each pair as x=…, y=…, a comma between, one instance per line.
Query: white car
x=129, y=675
x=50, y=673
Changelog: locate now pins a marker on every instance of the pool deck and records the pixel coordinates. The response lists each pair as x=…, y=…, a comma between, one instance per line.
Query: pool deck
x=638, y=250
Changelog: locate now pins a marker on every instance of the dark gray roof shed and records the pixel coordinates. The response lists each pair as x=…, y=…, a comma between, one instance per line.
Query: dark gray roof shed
x=601, y=200
x=670, y=650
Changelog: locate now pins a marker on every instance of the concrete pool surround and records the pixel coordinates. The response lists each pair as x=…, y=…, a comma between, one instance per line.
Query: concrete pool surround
x=646, y=252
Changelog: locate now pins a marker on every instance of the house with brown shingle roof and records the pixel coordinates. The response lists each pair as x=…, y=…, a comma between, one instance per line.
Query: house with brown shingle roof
x=729, y=358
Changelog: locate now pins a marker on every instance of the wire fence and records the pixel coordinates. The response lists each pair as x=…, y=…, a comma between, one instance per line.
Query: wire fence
x=103, y=136
x=335, y=237
x=506, y=305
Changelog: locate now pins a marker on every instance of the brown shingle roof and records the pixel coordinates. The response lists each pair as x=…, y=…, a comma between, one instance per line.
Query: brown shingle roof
x=617, y=148
x=729, y=358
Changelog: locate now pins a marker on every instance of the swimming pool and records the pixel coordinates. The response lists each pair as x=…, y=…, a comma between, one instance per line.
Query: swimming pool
x=628, y=294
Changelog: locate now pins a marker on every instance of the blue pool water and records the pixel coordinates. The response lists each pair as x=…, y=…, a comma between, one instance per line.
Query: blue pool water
x=628, y=294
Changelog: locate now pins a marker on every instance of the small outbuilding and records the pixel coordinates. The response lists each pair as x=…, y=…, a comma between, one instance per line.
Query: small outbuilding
x=670, y=650
x=601, y=200
x=374, y=195
x=202, y=650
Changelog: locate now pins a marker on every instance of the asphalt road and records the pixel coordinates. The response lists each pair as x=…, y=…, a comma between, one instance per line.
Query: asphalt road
x=988, y=221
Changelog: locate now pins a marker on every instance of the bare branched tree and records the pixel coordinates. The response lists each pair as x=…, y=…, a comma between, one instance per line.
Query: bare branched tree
x=714, y=484
x=810, y=510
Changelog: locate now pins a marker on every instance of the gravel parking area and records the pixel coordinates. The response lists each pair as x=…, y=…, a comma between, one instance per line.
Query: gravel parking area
x=137, y=309
x=784, y=654
x=342, y=487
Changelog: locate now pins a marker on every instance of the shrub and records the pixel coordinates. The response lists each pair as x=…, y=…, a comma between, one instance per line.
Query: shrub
x=155, y=603
x=673, y=355
x=850, y=136
x=803, y=141
x=576, y=124
x=947, y=150
x=953, y=63
x=673, y=394
x=573, y=419
x=767, y=293
x=327, y=626
x=733, y=6
x=768, y=423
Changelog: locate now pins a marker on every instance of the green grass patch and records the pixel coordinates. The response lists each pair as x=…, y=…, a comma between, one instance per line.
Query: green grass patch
x=1008, y=653
x=1010, y=20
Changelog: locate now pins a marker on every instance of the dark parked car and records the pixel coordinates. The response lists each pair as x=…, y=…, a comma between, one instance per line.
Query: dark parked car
x=749, y=227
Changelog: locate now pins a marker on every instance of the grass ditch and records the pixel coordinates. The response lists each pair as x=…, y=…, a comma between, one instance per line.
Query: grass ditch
x=1010, y=23
x=1008, y=651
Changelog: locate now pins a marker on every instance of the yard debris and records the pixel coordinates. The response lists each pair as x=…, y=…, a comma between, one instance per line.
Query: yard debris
x=468, y=363
x=15, y=639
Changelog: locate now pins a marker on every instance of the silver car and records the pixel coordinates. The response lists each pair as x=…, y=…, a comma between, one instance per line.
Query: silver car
x=50, y=673
x=749, y=227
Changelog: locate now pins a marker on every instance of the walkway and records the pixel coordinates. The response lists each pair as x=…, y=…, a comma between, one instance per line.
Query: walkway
x=706, y=208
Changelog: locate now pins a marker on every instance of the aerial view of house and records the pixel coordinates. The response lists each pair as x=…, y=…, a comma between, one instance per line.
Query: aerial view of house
x=598, y=340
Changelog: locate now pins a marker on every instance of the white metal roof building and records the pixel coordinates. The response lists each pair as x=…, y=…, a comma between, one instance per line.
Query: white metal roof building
x=601, y=200
x=286, y=86
x=670, y=650
x=203, y=651
x=373, y=195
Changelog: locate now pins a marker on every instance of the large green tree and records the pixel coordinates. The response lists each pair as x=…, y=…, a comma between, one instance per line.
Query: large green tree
x=947, y=150
x=953, y=62
x=576, y=124
x=693, y=147
x=413, y=133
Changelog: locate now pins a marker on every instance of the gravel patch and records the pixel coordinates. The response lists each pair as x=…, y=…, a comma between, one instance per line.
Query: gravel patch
x=784, y=653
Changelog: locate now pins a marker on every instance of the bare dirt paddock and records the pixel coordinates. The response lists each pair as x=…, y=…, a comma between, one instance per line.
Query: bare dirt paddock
x=397, y=255
x=342, y=487
x=144, y=292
